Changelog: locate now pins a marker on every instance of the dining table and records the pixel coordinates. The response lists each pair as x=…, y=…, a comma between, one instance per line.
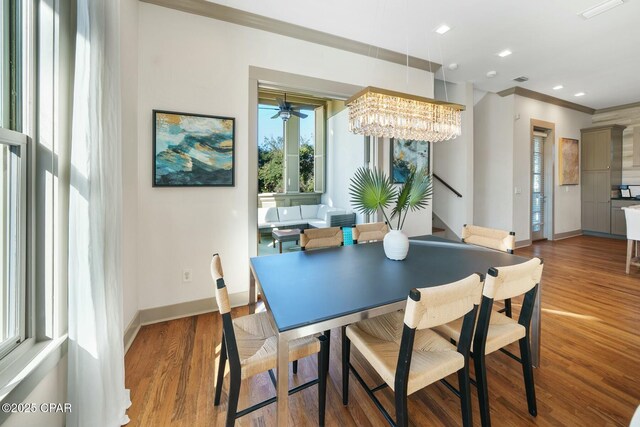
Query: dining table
x=309, y=292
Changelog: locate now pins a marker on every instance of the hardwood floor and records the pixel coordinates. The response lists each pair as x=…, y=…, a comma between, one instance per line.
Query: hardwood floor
x=590, y=375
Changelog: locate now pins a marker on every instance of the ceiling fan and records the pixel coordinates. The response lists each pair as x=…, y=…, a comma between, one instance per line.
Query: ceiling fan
x=286, y=110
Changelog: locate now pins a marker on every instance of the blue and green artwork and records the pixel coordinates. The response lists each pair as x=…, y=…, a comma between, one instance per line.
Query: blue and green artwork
x=192, y=150
x=405, y=155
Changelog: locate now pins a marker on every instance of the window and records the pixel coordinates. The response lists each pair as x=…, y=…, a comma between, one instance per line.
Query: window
x=537, y=182
x=291, y=152
x=4, y=71
x=13, y=182
x=307, y=151
x=13, y=152
x=270, y=151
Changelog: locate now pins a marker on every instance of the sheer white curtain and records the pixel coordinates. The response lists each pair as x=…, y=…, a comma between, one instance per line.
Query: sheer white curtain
x=96, y=354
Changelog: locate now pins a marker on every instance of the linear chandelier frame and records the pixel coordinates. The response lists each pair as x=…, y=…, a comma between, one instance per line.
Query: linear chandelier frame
x=385, y=113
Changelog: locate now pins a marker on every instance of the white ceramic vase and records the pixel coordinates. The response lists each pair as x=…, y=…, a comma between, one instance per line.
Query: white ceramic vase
x=396, y=245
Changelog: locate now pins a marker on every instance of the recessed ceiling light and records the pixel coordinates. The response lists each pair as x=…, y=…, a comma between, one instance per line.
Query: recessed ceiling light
x=600, y=8
x=504, y=53
x=442, y=29
x=491, y=74
x=558, y=87
x=453, y=66
x=580, y=94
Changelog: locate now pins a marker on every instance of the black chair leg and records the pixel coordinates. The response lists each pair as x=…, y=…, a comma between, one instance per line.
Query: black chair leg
x=346, y=351
x=483, y=391
x=507, y=307
x=323, y=368
x=222, y=363
x=402, y=411
x=295, y=366
x=527, y=372
x=465, y=396
x=234, y=396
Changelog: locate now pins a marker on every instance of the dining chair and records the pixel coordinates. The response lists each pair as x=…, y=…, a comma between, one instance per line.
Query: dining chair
x=409, y=355
x=494, y=330
x=370, y=232
x=632, y=216
x=492, y=238
x=249, y=344
x=315, y=238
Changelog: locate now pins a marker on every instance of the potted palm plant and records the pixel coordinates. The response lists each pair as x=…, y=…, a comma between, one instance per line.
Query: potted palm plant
x=372, y=190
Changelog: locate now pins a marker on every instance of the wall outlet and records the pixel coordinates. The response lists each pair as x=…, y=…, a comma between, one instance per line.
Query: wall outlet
x=187, y=275
x=517, y=190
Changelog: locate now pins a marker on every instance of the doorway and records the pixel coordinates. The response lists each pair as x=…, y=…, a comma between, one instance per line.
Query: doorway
x=542, y=180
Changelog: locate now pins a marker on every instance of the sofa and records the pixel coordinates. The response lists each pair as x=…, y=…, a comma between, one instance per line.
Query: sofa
x=303, y=216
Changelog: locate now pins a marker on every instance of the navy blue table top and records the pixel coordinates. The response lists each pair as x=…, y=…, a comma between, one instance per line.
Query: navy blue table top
x=307, y=287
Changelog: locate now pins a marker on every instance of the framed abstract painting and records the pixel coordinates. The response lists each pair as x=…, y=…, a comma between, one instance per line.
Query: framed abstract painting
x=569, y=162
x=193, y=150
x=405, y=154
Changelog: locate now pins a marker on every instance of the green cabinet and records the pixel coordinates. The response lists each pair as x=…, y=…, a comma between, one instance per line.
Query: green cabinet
x=601, y=162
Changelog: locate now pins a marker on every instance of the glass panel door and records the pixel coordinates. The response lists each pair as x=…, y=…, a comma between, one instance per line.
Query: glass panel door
x=537, y=186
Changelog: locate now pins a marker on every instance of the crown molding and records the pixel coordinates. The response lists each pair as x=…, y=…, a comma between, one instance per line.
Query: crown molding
x=618, y=107
x=527, y=93
x=252, y=20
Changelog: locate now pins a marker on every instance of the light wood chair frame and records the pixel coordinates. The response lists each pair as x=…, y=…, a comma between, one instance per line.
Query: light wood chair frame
x=356, y=241
x=507, y=303
x=229, y=352
x=304, y=248
x=404, y=366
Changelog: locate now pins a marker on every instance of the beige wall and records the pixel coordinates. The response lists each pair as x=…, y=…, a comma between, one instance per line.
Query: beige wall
x=129, y=88
x=453, y=162
x=195, y=64
x=567, y=208
x=493, y=161
x=503, y=163
x=345, y=154
x=51, y=389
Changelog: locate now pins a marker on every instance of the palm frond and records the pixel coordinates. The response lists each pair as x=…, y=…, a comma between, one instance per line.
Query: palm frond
x=370, y=190
x=421, y=190
x=403, y=195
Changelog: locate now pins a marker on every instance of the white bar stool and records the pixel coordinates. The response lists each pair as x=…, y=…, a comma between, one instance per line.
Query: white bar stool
x=632, y=215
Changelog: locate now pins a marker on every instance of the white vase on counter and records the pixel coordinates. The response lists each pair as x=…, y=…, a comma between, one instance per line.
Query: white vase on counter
x=396, y=245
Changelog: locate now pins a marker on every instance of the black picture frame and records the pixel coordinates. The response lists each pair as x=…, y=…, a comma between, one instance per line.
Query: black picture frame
x=398, y=168
x=220, y=144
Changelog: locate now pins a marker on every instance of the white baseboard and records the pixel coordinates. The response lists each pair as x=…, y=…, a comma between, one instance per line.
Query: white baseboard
x=131, y=331
x=153, y=315
x=567, y=234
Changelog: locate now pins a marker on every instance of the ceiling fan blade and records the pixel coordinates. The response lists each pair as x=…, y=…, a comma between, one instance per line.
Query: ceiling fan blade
x=299, y=114
x=276, y=115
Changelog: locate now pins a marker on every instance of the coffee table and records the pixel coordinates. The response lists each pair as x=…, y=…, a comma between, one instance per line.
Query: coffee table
x=289, y=235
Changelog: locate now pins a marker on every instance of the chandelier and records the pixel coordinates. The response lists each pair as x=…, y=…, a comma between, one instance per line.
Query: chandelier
x=384, y=113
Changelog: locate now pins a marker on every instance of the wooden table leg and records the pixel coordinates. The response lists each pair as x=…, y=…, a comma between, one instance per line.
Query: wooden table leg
x=252, y=292
x=536, y=328
x=629, y=250
x=280, y=243
x=282, y=384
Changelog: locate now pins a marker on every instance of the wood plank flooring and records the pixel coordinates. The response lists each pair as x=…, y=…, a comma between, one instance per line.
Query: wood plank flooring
x=590, y=375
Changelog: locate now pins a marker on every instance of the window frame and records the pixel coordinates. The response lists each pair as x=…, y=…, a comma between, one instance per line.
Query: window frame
x=19, y=142
x=319, y=160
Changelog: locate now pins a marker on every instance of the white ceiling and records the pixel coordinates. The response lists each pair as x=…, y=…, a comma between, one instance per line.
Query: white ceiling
x=551, y=44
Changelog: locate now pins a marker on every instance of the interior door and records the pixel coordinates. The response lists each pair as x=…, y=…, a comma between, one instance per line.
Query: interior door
x=537, y=186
